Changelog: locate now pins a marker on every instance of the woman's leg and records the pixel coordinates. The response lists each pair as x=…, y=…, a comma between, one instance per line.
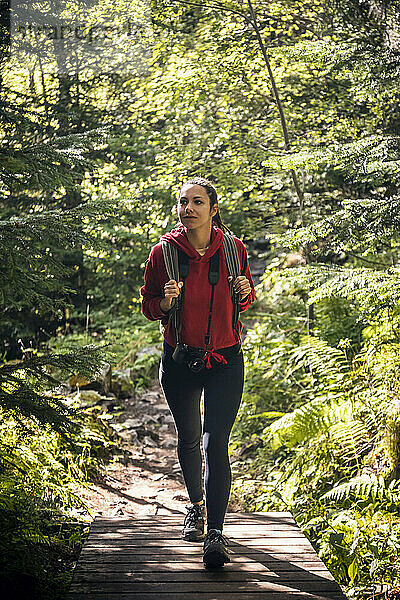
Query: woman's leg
x=182, y=390
x=222, y=395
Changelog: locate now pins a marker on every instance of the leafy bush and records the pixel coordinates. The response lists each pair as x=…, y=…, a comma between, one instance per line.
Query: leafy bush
x=42, y=515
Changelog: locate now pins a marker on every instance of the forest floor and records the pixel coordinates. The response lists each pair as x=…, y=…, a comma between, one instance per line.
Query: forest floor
x=149, y=481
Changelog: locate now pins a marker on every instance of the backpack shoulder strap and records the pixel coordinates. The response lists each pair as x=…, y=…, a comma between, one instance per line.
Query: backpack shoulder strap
x=177, y=267
x=170, y=254
x=233, y=266
x=176, y=262
x=231, y=255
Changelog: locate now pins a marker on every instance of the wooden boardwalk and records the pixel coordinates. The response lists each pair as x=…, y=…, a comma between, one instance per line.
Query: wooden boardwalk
x=145, y=558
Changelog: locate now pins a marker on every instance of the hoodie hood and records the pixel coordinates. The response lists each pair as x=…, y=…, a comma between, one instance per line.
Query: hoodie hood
x=178, y=238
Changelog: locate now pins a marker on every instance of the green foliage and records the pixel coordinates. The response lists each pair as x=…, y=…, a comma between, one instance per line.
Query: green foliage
x=123, y=336
x=332, y=457
x=361, y=549
x=29, y=246
x=42, y=514
x=145, y=369
x=23, y=385
x=367, y=487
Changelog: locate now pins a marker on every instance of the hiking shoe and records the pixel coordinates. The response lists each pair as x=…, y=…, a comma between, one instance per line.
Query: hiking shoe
x=215, y=551
x=193, y=525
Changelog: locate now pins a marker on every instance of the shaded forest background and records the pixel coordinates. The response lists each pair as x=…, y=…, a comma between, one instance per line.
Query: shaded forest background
x=90, y=168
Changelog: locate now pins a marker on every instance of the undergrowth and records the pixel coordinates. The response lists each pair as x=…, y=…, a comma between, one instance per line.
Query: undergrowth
x=43, y=519
x=318, y=434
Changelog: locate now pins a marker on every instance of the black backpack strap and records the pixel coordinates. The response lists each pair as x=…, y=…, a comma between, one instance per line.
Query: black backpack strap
x=213, y=278
x=183, y=262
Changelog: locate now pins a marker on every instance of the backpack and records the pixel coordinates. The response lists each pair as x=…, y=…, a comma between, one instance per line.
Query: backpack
x=177, y=267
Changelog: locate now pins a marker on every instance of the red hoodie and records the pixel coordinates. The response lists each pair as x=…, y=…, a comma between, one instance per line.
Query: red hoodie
x=194, y=316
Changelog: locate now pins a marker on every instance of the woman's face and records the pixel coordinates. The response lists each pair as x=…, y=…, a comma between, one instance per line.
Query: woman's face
x=194, y=206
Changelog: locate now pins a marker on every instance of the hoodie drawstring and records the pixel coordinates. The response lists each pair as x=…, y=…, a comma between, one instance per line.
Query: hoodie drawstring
x=217, y=357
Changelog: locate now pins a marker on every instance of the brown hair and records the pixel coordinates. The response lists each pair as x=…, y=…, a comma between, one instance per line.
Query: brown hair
x=212, y=194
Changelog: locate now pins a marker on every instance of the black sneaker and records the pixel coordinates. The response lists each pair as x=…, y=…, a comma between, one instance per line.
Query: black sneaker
x=193, y=525
x=215, y=551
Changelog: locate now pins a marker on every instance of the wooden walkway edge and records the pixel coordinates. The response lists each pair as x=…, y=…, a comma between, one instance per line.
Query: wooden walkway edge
x=145, y=558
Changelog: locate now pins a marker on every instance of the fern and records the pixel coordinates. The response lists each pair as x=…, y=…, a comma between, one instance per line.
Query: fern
x=357, y=228
x=329, y=363
x=347, y=434
x=365, y=487
x=23, y=398
x=370, y=289
x=351, y=437
x=302, y=424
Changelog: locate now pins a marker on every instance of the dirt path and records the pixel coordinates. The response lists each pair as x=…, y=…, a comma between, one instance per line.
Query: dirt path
x=151, y=481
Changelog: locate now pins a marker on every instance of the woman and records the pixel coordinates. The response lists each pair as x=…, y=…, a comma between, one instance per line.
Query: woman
x=200, y=236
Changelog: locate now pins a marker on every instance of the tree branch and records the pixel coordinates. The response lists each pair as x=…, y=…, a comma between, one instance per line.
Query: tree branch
x=282, y=117
x=218, y=5
x=253, y=22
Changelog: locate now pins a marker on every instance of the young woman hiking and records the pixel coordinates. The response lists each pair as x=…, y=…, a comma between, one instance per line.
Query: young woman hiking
x=206, y=356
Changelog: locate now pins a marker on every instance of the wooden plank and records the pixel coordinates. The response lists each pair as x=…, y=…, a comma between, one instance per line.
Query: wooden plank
x=272, y=515
x=99, y=575
x=282, y=540
x=229, y=529
x=260, y=551
x=229, y=518
x=201, y=586
x=287, y=545
x=303, y=569
x=309, y=561
x=177, y=520
x=171, y=519
x=156, y=533
x=172, y=542
x=176, y=595
x=286, y=553
x=246, y=562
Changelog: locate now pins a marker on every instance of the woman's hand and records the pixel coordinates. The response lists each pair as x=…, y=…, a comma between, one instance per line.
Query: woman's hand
x=171, y=291
x=242, y=286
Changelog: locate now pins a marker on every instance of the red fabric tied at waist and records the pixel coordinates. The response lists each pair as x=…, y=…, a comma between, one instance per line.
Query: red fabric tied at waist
x=217, y=357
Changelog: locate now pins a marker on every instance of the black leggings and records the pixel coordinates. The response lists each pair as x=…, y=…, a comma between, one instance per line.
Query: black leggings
x=223, y=387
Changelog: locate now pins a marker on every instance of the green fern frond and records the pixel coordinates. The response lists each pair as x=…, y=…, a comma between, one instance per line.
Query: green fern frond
x=360, y=226
x=301, y=424
x=351, y=438
x=348, y=435
x=365, y=487
x=373, y=155
x=371, y=289
x=361, y=284
x=327, y=362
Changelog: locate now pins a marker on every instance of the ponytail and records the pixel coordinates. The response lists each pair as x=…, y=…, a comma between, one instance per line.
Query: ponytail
x=218, y=222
